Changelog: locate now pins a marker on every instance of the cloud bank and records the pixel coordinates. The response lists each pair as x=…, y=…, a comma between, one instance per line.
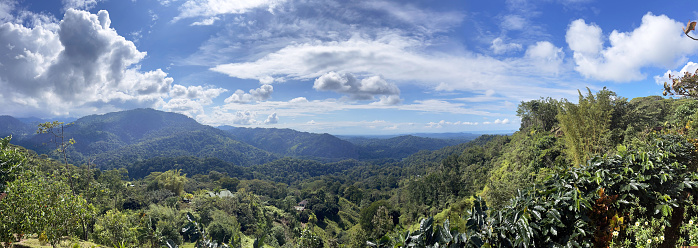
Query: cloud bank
x=81, y=66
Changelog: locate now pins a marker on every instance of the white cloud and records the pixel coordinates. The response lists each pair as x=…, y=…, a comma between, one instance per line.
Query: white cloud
x=76, y=67
x=690, y=67
x=654, y=43
x=444, y=123
x=212, y=8
x=245, y=118
x=398, y=59
x=261, y=94
x=206, y=22
x=499, y=47
x=298, y=100
x=498, y=121
x=79, y=4
x=272, y=119
x=6, y=8
x=545, y=56
x=365, y=89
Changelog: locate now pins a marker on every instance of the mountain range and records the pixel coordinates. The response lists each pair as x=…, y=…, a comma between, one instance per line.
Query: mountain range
x=120, y=139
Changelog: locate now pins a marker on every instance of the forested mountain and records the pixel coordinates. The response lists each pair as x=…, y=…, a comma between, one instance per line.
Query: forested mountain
x=13, y=126
x=117, y=139
x=293, y=143
x=400, y=146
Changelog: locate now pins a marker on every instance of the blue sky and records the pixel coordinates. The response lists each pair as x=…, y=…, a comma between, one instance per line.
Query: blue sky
x=341, y=67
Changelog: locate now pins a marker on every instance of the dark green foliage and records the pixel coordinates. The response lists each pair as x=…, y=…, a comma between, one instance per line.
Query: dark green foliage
x=200, y=143
x=293, y=143
x=520, y=161
x=371, y=218
x=196, y=233
x=538, y=114
x=401, y=146
x=223, y=227
x=10, y=126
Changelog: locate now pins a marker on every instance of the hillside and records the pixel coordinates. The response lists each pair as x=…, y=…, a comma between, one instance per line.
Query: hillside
x=13, y=126
x=116, y=139
x=400, y=146
x=293, y=143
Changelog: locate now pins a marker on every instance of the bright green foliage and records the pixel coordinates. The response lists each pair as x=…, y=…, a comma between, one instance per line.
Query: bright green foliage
x=641, y=233
x=520, y=163
x=428, y=234
x=171, y=180
x=586, y=125
x=223, y=227
x=684, y=112
x=115, y=228
x=11, y=161
x=309, y=239
x=690, y=232
x=195, y=232
x=39, y=205
x=159, y=224
x=539, y=114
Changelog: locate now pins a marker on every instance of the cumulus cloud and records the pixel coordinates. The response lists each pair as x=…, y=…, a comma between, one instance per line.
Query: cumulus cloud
x=272, y=119
x=298, y=100
x=245, y=118
x=192, y=99
x=6, y=8
x=654, y=43
x=498, y=121
x=365, y=89
x=690, y=67
x=545, y=56
x=261, y=94
x=78, y=66
x=500, y=47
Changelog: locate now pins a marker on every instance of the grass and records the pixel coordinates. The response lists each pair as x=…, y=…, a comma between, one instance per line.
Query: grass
x=34, y=243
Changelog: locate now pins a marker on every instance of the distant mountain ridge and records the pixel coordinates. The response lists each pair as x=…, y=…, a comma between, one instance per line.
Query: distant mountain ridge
x=125, y=138
x=294, y=143
x=13, y=126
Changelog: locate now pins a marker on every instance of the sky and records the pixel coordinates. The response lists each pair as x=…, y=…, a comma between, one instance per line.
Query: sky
x=334, y=66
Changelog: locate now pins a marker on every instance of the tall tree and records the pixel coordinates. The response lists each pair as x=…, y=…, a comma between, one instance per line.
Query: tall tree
x=57, y=129
x=586, y=125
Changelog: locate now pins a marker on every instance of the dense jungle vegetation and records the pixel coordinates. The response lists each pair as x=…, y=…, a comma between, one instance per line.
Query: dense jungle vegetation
x=605, y=171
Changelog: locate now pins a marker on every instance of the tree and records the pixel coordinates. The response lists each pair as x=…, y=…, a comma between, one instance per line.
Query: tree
x=687, y=84
x=10, y=161
x=540, y=114
x=586, y=125
x=57, y=129
x=171, y=180
x=36, y=204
